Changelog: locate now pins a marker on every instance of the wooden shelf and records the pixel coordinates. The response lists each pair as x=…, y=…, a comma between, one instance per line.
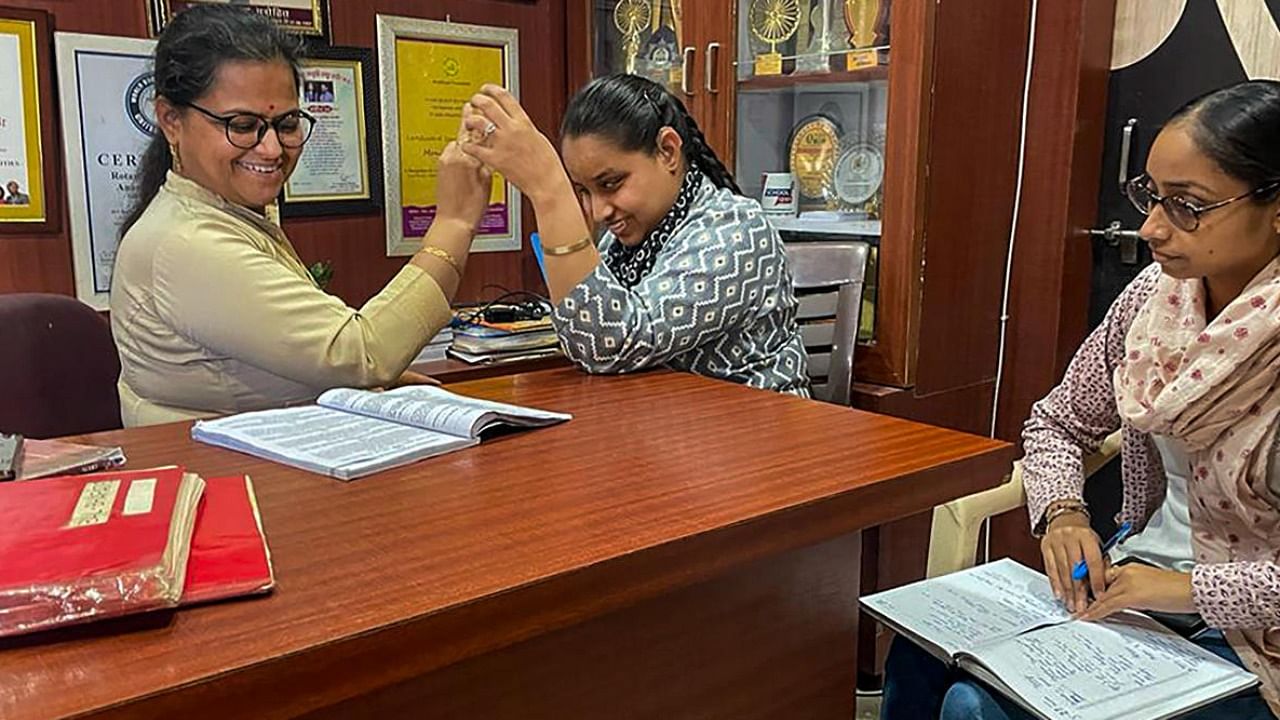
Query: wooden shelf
x=856, y=228
x=775, y=82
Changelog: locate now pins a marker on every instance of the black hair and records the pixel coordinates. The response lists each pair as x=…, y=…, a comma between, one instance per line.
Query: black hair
x=188, y=54
x=630, y=111
x=1238, y=127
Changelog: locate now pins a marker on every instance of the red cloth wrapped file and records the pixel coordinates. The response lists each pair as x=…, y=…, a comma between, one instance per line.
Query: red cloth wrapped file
x=85, y=547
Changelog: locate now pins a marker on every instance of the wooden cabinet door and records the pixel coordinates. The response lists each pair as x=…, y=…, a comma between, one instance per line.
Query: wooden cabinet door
x=713, y=36
x=645, y=37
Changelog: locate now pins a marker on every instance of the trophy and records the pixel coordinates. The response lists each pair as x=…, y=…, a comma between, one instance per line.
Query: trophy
x=631, y=17
x=660, y=54
x=813, y=45
x=813, y=151
x=773, y=22
x=861, y=17
x=857, y=177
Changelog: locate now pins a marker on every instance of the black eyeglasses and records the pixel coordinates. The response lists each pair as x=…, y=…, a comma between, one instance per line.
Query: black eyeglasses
x=245, y=130
x=1183, y=213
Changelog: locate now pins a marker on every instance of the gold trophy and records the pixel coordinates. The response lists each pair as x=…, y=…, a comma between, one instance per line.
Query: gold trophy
x=631, y=17
x=773, y=22
x=861, y=18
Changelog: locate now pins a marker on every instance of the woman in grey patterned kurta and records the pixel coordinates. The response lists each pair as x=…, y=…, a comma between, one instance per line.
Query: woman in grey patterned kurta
x=689, y=274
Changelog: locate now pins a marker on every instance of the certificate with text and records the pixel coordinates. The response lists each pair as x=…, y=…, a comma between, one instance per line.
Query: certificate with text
x=108, y=118
x=428, y=71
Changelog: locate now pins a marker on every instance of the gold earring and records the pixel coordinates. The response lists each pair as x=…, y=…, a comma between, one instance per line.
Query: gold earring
x=177, y=160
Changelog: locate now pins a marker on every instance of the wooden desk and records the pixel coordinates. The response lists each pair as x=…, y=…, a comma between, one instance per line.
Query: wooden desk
x=682, y=548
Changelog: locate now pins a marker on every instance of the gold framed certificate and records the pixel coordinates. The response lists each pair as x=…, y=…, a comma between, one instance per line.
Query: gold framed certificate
x=26, y=161
x=427, y=70
x=340, y=169
x=308, y=17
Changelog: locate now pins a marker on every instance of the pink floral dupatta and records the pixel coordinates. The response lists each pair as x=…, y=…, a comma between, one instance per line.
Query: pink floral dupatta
x=1213, y=386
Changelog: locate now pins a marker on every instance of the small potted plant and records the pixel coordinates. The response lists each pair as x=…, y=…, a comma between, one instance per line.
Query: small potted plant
x=322, y=272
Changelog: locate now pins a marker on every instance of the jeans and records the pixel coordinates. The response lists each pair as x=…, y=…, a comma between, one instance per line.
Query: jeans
x=918, y=686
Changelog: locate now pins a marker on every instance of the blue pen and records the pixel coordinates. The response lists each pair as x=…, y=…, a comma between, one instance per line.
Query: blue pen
x=1081, y=570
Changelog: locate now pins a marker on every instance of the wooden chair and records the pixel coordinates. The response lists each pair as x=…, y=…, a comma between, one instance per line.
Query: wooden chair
x=828, y=279
x=58, y=367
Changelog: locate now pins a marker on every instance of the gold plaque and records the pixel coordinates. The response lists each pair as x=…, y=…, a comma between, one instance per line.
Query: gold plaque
x=814, y=148
x=773, y=22
x=859, y=59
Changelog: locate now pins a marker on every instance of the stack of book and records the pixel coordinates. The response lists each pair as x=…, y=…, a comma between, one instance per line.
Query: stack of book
x=480, y=341
x=435, y=350
x=87, y=547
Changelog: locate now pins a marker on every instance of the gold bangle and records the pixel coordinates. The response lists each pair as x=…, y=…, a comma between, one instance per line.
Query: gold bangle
x=566, y=249
x=1060, y=508
x=445, y=256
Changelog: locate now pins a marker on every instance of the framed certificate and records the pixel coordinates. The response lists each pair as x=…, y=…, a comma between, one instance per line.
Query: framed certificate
x=340, y=169
x=309, y=17
x=107, y=94
x=426, y=71
x=27, y=150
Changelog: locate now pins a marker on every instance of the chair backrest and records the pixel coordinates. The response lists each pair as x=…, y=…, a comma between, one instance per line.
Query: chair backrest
x=58, y=367
x=828, y=279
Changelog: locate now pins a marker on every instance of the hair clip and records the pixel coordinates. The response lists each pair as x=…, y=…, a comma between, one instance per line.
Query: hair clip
x=653, y=101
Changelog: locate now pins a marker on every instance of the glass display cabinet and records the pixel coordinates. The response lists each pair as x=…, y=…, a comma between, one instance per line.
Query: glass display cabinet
x=897, y=124
x=812, y=104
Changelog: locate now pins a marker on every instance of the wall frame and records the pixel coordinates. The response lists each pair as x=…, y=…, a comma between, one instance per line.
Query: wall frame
x=427, y=69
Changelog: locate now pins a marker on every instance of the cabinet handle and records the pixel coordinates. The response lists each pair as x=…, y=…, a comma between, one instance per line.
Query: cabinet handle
x=686, y=65
x=1126, y=144
x=713, y=61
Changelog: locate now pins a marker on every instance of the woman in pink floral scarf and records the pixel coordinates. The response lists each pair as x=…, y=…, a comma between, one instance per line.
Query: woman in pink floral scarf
x=1186, y=364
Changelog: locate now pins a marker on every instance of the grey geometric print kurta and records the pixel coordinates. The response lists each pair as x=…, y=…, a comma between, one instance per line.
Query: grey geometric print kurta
x=718, y=302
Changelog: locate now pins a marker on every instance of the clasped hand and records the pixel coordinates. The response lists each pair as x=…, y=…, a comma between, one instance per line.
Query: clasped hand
x=1069, y=539
x=497, y=131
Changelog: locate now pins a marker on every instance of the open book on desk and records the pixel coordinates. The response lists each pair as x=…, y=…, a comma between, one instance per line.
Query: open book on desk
x=350, y=433
x=1000, y=623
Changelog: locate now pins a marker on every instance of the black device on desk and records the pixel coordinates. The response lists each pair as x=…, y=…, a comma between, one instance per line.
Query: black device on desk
x=10, y=456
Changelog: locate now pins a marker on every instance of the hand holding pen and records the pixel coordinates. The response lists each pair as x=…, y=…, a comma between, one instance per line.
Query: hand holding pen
x=1069, y=540
x=1081, y=569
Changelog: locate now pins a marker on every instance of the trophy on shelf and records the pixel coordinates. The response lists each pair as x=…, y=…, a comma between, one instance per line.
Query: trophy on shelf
x=773, y=22
x=813, y=151
x=862, y=19
x=813, y=45
x=660, y=54
x=631, y=17
x=857, y=178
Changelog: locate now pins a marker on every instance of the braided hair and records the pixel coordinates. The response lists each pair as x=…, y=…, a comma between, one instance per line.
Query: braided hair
x=630, y=111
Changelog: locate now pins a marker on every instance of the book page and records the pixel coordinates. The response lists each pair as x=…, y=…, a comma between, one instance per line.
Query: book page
x=1129, y=667
x=960, y=611
x=433, y=408
x=325, y=441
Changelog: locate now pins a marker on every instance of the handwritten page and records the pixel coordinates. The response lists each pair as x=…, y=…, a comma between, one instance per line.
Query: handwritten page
x=963, y=610
x=1129, y=668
